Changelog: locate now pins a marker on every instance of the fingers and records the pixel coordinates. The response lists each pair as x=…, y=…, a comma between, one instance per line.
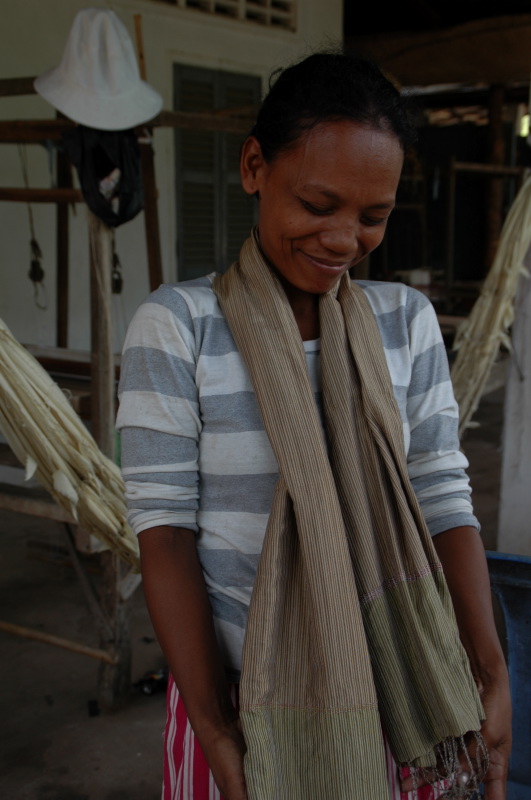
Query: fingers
x=496, y=778
x=427, y=777
x=409, y=782
x=225, y=758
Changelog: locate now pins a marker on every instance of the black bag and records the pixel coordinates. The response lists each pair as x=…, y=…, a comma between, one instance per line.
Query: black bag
x=111, y=157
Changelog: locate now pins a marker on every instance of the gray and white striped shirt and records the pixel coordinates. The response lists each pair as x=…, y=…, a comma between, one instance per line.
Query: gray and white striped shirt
x=195, y=453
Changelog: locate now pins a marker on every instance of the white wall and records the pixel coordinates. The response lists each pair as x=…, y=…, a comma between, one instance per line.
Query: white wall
x=32, y=37
x=514, y=534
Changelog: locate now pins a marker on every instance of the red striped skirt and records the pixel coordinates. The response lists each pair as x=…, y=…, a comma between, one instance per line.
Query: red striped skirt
x=188, y=777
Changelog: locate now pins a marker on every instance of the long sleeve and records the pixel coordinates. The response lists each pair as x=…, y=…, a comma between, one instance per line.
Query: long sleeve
x=419, y=370
x=158, y=415
x=436, y=464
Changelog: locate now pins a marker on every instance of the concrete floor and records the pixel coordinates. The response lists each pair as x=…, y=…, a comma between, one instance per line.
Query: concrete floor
x=50, y=747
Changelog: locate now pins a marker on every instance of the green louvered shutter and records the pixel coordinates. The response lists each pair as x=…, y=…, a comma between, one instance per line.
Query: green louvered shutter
x=214, y=215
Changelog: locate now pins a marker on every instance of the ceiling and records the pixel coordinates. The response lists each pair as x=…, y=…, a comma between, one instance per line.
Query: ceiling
x=365, y=18
x=433, y=42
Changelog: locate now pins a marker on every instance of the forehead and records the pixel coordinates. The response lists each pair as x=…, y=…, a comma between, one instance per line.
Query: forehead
x=341, y=152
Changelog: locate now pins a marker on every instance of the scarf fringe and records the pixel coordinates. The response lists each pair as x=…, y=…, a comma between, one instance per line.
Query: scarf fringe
x=460, y=783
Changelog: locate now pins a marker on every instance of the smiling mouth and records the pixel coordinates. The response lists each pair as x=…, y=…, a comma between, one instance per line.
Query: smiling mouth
x=325, y=263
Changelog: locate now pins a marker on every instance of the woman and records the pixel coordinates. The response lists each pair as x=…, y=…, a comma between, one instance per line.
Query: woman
x=228, y=383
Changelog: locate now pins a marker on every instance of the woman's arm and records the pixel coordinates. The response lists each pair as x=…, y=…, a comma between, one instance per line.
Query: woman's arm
x=178, y=604
x=462, y=556
x=436, y=469
x=160, y=423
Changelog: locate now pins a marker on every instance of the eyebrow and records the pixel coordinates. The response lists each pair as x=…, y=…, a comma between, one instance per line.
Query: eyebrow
x=333, y=196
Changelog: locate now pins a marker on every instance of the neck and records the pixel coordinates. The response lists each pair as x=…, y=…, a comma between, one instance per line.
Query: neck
x=305, y=307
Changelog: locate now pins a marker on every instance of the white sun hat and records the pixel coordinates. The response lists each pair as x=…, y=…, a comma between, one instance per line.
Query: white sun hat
x=97, y=82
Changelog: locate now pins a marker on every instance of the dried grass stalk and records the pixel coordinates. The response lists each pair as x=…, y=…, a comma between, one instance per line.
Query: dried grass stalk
x=50, y=440
x=478, y=340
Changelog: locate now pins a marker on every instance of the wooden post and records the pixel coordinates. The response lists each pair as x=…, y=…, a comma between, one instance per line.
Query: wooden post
x=450, y=239
x=114, y=680
x=64, y=180
x=495, y=188
x=140, y=46
x=151, y=216
x=151, y=212
x=102, y=383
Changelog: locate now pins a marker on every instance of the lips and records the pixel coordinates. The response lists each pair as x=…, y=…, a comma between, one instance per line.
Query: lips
x=324, y=263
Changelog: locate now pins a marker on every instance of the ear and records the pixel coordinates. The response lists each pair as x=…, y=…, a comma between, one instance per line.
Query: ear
x=252, y=165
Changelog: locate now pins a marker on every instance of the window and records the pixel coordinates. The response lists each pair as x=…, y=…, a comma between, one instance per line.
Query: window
x=276, y=13
x=214, y=215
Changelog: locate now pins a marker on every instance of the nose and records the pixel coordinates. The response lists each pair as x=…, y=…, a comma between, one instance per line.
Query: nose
x=349, y=237
x=342, y=239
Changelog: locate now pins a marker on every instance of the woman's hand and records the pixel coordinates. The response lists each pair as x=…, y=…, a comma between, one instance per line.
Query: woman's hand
x=178, y=603
x=496, y=731
x=224, y=751
x=462, y=556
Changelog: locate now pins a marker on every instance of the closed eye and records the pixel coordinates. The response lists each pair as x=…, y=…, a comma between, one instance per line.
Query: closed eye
x=373, y=221
x=319, y=211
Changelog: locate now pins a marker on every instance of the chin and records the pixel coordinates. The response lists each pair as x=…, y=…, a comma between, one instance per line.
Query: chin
x=323, y=286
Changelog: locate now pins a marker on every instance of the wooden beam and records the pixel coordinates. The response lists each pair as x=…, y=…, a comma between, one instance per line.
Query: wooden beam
x=203, y=120
x=463, y=96
x=67, y=644
x=41, y=195
x=11, y=87
x=489, y=169
x=35, y=130
x=66, y=361
x=33, y=507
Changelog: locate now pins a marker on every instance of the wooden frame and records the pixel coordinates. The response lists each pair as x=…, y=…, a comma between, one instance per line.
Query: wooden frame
x=112, y=610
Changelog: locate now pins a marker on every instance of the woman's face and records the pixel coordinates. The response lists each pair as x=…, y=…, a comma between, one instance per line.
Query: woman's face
x=324, y=203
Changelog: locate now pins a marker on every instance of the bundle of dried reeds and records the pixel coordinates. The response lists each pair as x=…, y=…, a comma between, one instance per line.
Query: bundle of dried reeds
x=478, y=340
x=50, y=440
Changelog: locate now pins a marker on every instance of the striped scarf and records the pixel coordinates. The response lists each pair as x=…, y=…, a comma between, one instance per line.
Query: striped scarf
x=351, y=625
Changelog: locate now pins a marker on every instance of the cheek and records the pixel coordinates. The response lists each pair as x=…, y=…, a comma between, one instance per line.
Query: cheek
x=375, y=236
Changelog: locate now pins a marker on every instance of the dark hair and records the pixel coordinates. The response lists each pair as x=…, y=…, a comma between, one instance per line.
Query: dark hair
x=327, y=87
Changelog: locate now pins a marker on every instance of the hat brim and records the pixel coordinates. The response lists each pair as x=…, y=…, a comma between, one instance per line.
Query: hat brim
x=96, y=110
